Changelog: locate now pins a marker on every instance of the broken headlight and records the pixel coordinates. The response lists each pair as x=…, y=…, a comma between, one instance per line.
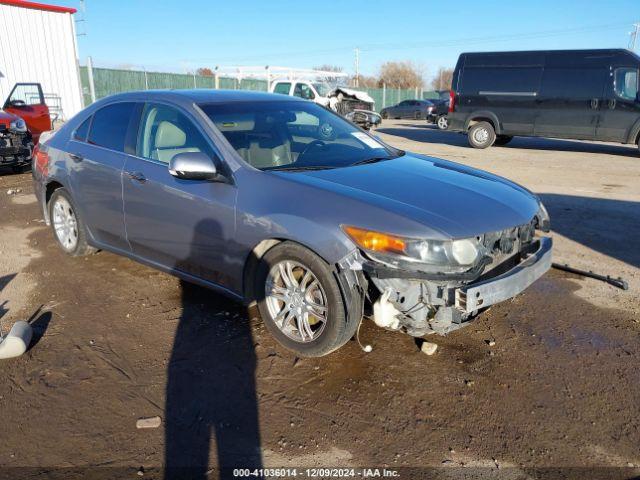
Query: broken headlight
x=18, y=125
x=440, y=256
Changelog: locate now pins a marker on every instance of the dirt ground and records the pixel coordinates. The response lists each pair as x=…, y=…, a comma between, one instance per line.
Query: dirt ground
x=117, y=341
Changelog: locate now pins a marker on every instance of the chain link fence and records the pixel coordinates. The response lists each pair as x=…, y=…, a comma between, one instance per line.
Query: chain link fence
x=107, y=81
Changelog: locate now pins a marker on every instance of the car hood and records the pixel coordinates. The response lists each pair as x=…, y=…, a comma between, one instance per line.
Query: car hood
x=6, y=118
x=455, y=200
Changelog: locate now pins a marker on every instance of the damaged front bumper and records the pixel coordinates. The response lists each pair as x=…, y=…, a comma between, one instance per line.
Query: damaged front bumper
x=420, y=303
x=365, y=118
x=15, y=148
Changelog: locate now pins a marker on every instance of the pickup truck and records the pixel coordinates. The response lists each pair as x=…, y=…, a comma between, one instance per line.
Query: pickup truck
x=23, y=118
x=354, y=105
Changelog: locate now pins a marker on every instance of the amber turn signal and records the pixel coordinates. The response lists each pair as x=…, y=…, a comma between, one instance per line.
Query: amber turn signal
x=375, y=241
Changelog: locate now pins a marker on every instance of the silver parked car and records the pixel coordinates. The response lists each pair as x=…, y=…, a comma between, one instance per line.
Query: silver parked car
x=279, y=201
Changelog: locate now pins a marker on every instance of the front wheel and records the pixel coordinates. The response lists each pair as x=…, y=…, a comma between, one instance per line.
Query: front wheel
x=442, y=122
x=68, y=226
x=384, y=115
x=300, y=301
x=481, y=135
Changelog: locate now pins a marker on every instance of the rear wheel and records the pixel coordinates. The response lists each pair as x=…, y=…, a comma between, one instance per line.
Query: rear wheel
x=301, y=305
x=68, y=226
x=384, y=115
x=442, y=122
x=417, y=115
x=481, y=135
x=503, y=139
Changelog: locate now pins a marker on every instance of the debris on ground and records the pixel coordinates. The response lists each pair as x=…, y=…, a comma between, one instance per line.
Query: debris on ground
x=14, y=191
x=428, y=348
x=490, y=342
x=16, y=342
x=149, y=422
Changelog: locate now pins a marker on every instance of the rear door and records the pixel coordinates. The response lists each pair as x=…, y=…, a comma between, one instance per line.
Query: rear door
x=96, y=156
x=180, y=224
x=569, y=102
x=26, y=100
x=621, y=108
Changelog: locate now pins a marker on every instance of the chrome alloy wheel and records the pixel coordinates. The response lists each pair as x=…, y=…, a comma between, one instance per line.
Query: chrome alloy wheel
x=443, y=123
x=296, y=301
x=481, y=135
x=65, y=223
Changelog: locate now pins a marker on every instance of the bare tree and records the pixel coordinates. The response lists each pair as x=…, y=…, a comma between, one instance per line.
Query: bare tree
x=365, y=81
x=443, y=79
x=400, y=75
x=205, y=72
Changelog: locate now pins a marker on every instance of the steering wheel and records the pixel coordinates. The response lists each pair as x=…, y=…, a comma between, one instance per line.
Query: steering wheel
x=310, y=145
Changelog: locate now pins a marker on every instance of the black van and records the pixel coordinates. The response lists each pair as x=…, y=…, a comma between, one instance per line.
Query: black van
x=579, y=94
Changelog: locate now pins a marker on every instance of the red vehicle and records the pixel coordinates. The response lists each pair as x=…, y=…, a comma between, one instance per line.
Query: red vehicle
x=23, y=118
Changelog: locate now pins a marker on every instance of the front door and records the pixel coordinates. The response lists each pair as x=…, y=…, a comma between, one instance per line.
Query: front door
x=182, y=225
x=26, y=100
x=621, y=108
x=569, y=102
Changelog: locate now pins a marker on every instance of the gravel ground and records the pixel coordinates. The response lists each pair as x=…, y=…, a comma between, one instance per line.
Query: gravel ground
x=548, y=380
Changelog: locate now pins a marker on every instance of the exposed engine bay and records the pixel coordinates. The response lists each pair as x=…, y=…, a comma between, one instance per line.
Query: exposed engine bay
x=15, y=147
x=355, y=106
x=420, y=303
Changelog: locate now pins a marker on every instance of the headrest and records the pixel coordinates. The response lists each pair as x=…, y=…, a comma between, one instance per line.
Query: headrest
x=169, y=136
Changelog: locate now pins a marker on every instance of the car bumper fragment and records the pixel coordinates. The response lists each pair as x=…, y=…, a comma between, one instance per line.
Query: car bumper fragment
x=509, y=284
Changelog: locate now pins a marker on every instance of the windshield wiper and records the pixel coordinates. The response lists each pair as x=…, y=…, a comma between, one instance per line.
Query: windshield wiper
x=377, y=159
x=301, y=168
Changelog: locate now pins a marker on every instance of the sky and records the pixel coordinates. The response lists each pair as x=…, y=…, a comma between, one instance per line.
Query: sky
x=184, y=35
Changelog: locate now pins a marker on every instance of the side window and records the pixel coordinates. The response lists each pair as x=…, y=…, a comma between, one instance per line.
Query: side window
x=575, y=83
x=282, y=87
x=82, y=131
x=501, y=79
x=165, y=132
x=26, y=94
x=404, y=103
x=110, y=125
x=626, y=83
x=303, y=90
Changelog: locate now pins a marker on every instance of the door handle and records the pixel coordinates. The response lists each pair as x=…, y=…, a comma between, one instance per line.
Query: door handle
x=137, y=176
x=612, y=103
x=75, y=157
x=594, y=103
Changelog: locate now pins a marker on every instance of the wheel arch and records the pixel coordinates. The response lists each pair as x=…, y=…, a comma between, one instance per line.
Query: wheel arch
x=51, y=186
x=253, y=260
x=483, y=116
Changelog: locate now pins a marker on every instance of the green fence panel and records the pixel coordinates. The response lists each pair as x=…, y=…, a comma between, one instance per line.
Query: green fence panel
x=86, y=89
x=253, y=84
x=205, y=81
x=169, y=80
x=228, y=83
x=110, y=81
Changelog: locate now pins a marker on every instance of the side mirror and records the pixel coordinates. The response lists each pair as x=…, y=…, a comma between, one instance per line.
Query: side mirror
x=193, y=166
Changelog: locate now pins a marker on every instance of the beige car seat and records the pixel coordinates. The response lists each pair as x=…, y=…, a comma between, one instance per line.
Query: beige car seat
x=169, y=141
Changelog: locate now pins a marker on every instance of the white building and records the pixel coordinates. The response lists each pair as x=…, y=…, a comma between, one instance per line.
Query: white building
x=38, y=44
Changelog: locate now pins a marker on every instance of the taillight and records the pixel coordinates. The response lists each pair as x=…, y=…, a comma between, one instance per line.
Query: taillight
x=452, y=100
x=41, y=160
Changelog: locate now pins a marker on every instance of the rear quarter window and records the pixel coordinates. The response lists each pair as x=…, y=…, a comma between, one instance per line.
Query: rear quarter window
x=578, y=83
x=110, y=125
x=80, y=133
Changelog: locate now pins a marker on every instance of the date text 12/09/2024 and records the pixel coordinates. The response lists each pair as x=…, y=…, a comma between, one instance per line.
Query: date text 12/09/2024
x=315, y=473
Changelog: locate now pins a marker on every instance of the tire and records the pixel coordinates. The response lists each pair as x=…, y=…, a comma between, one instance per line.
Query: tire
x=481, y=135
x=289, y=259
x=417, y=116
x=502, y=140
x=61, y=204
x=442, y=122
x=384, y=115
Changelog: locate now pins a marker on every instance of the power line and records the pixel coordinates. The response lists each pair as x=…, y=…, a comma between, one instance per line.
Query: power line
x=471, y=41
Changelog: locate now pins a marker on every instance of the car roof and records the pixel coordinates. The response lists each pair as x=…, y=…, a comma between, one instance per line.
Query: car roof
x=203, y=95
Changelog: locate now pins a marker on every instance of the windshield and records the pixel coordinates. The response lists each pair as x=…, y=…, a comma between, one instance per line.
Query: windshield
x=286, y=135
x=323, y=89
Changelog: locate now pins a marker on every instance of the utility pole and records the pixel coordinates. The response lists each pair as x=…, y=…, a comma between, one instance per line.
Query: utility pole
x=634, y=36
x=357, y=51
